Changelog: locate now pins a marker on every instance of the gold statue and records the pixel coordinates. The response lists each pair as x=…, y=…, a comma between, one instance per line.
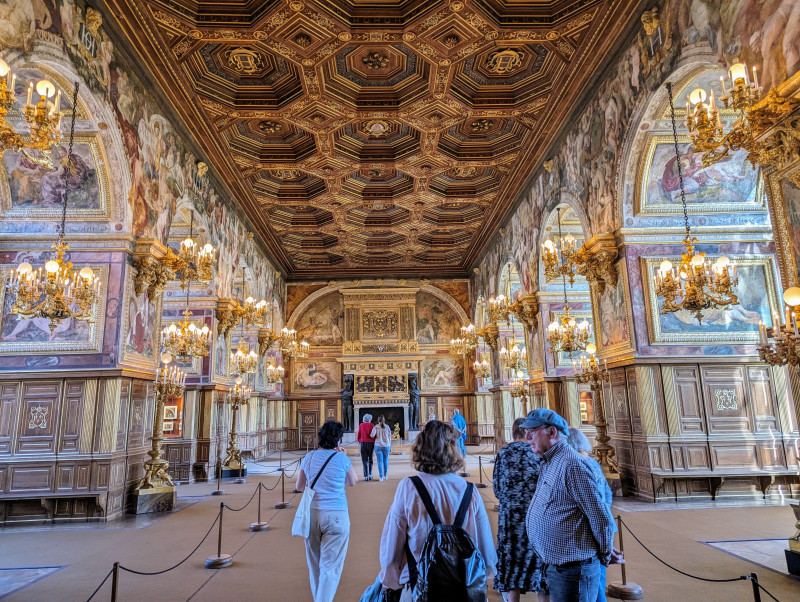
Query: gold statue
x=396, y=432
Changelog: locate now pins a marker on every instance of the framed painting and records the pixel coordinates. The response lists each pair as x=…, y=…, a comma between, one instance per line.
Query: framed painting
x=735, y=324
x=784, y=206
x=442, y=373
x=613, y=319
x=170, y=412
x=315, y=377
x=221, y=356
x=141, y=327
x=728, y=185
x=29, y=191
x=34, y=337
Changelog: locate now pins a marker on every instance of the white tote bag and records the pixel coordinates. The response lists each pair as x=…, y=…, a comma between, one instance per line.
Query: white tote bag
x=301, y=526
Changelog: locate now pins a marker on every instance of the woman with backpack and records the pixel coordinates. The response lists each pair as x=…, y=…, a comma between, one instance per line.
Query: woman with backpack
x=327, y=472
x=437, y=522
x=383, y=445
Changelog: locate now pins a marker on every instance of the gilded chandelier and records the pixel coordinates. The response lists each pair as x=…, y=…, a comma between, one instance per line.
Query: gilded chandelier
x=56, y=292
x=519, y=389
x=186, y=339
x=515, y=357
x=698, y=283
x=289, y=344
x=565, y=265
x=244, y=361
x=467, y=343
x=482, y=368
x=192, y=262
x=786, y=346
x=43, y=117
x=499, y=309
x=756, y=116
x=273, y=373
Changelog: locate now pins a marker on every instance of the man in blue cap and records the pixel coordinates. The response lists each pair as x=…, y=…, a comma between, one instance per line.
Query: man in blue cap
x=568, y=523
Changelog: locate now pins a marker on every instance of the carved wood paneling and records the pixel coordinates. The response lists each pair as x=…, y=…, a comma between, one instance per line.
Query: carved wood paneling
x=124, y=410
x=72, y=415
x=725, y=399
x=633, y=400
x=25, y=478
x=9, y=393
x=734, y=456
x=618, y=414
x=762, y=399
x=690, y=407
x=40, y=414
x=138, y=414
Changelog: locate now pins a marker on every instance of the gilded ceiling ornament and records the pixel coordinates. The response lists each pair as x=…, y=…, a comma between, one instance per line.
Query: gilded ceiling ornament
x=505, y=61
x=435, y=117
x=296, y=6
x=650, y=21
x=245, y=60
x=451, y=40
x=481, y=125
x=375, y=60
x=302, y=40
x=202, y=169
x=465, y=172
x=270, y=127
x=376, y=172
x=376, y=127
x=318, y=118
x=286, y=174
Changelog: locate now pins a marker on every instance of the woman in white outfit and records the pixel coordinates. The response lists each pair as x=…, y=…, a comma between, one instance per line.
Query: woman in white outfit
x=326, y=544
x=383, y=445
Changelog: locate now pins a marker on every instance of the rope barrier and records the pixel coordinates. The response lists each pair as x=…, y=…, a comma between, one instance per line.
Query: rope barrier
x=102, y=583
x=751, y=577
x=126, y=569
x=248, y=501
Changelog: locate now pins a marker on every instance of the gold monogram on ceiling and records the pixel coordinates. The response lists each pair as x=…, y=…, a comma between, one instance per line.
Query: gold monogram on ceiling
x=505, y=61
x=245, y=60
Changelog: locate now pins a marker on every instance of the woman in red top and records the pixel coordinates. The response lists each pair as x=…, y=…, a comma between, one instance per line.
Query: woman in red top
x=367, y=442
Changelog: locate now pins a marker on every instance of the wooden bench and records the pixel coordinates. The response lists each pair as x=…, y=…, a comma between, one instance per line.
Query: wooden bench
x=716, y=479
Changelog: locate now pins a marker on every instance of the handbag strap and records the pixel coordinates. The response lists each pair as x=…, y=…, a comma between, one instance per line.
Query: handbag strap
x=314, y=482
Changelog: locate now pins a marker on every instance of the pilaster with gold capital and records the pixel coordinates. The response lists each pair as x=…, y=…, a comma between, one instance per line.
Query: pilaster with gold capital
x=595, y=260
x=152, y=275
x=227, y=315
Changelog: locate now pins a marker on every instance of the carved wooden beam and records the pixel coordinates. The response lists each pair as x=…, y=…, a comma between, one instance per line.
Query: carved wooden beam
x=595, y=261
x=152, y=275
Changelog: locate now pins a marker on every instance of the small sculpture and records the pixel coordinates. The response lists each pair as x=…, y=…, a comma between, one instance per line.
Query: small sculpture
x=347, y=403
x=396, y=432
x=413, y=403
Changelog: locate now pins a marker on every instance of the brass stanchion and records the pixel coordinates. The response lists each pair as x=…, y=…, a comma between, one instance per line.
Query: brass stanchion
x=480, y=485
x=258, y=525
x=114, y=582
x=220, y=561
x=624, y=590
x=283, y=503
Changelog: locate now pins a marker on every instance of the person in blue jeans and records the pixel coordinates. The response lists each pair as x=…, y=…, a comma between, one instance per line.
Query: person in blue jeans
x=383, y=445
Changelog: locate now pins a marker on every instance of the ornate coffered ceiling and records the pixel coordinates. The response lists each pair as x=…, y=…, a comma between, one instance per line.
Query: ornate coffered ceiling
x=373, y=137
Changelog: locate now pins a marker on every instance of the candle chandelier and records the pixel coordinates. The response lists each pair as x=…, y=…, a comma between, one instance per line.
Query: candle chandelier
x=786, y=346
x=56, y=292
x=756, y=115
x=244, y=360
x=566, y=334
x=515, y=357
x=185, y=339
x=499, y=310
x=482, y=368
x=519, y=386
x=288, y=343
x=43, y=118
x=566, y=264
x=273, y=373
x=467, y=343
x=697, y=284
x=192, y=262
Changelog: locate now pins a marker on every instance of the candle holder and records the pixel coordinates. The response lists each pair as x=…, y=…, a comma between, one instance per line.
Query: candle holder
x=785, y=349
x=155, y=491
x=589, y=371
x=237, y=397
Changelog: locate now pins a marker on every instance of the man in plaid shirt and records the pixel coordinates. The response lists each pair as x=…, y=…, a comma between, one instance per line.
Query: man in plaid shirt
x=569, y=525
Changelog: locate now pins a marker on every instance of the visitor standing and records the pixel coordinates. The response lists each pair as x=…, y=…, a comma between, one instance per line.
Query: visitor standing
x=367, y=444
x=568, y=522
x=383, y=445
x=458, y=423
x=435, y=455
x=581, y=444
x=329, y=533
x=516, y=470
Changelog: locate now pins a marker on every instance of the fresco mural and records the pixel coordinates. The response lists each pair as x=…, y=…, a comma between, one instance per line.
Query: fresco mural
x=731, y=181
x=436, y=323
x=221, y=356
x=322, y=323
x=442, y=373
x=612, y=309
x=141, y=327
x=315, y=377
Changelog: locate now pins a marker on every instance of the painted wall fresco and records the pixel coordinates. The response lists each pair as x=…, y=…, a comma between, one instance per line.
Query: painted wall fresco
x=322, y=323
x=141, y=328
x=612, y=309
x=315, y=377
x=457, y=289
x=442, y=373
x=436, y=323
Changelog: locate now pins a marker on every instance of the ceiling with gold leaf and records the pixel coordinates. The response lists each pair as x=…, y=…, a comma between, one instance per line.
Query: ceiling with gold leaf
x=379, y=136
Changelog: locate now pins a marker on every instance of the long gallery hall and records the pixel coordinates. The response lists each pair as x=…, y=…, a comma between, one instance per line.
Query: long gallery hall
x=263, y=261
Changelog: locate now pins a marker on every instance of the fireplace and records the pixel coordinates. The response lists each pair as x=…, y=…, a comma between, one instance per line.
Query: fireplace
x=392, y=414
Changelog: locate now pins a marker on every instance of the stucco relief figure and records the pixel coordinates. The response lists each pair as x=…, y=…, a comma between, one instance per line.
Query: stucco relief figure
x=347, y=403
x=413, y=404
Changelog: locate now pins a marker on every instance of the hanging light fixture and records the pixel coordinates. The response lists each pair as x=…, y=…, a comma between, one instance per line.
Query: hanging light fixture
x=697, y=284
x=467, y=343
x=244, y=360
x=786, y=346
x=192, y=262
x=482, y=368
x=273, y=373
x=43, y=118
x=499, y=309
x=515, y=357
x=56, y=292
x=560, y=261
x=519, y=387
x=566, y=334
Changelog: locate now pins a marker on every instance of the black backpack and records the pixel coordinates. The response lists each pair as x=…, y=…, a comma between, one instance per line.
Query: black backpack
x=451, y=568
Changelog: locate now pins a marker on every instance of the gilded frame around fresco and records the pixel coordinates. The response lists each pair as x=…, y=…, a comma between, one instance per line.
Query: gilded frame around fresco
x=94, y=344
x=787, y=264
x=335, y=384
x=101, y=214
x=626, y=347
x=643, y=207
x=431, y=388
x=131, y=357
x=657, y=337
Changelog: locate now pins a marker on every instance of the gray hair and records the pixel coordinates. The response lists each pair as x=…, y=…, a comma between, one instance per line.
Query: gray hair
x=578, y=440
x=367, y=418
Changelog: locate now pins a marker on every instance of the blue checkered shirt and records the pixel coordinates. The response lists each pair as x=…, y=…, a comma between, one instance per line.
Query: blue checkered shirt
x=568, y=519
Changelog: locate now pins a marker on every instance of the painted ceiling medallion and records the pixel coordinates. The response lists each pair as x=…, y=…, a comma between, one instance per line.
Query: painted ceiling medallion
x=286, y=174
x=302, y=40
x=270, y=127
x=481, y=125
x=244, y=60
x=451, y=40
x=505, y=61
x=465, y=172
x=375, y=60
x=376, y=127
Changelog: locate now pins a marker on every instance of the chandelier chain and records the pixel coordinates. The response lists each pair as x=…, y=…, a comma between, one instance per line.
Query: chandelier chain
x=678, y=160
x=561, y=239
x=68, y=166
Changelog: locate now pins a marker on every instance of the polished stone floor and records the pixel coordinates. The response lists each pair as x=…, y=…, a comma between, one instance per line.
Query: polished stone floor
x=68, y=562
